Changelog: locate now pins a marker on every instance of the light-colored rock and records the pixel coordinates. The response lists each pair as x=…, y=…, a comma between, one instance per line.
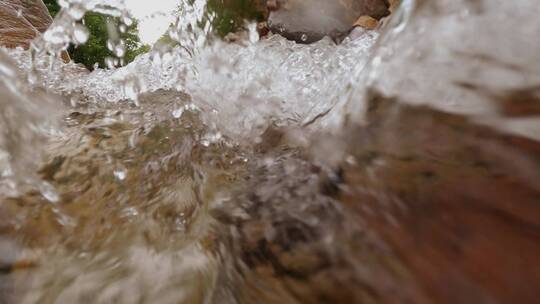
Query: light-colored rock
x=306, y=21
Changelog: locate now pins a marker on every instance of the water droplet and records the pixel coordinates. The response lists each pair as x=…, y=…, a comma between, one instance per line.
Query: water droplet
x=64, y=219
x=80, y=34
x=32, y=77
x=109, y=61
x=49, y=193
x=120, y=174
x=56, y=36
x=127, y=20
x=129, y=212
x=77, y=12
x=253, y=34
x=178, y=112
x=120, y=50
x=110, y=45
x=73, y=102
x=351, y=160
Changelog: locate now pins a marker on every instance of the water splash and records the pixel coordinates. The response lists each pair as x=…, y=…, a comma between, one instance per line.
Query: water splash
x=449, y=66
x=25, y=119
x=166, y=174
x=271, y=81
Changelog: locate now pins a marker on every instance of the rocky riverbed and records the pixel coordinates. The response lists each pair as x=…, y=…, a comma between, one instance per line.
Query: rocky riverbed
x=385, y=169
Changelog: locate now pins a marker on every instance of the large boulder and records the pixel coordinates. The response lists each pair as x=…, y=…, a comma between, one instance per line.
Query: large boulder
x=21, y=21
x=428, y=207
x=307, y=21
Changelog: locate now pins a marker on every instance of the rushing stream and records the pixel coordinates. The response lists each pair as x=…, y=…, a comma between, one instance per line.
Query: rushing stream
x=251, y=171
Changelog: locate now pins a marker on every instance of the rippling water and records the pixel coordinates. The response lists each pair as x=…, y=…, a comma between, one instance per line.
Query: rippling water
x=223, y=172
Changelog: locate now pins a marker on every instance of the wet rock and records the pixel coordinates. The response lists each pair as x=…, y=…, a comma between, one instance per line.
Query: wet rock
x=21, y=21
x=262, y=29
x=367, y=22
x=310, y=20
x=428, y=207
x=456, y=201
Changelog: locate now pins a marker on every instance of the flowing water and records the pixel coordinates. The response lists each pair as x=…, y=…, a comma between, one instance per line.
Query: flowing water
x=160, y=181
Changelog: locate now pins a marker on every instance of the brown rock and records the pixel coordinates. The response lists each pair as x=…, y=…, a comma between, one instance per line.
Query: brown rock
x=367, y=22
x=456, y=202
x=21, y=21
x=433, y=208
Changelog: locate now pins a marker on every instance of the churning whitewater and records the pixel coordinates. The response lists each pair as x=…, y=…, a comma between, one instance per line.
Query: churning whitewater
x=224, y=172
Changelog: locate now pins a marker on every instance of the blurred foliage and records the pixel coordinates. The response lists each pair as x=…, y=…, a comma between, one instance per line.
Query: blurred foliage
x=52, y=6
x=230, y=15
x=95, y=49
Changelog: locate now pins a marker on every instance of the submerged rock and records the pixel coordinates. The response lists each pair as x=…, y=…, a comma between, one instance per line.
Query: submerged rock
x=307, y=21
